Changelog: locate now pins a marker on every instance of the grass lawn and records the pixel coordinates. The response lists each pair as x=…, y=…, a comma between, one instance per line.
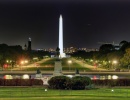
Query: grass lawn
x=49, y=65
x=39, y=93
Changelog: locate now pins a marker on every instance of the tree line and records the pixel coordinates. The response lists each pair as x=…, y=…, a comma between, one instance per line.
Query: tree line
x=108, y=56
x=12, y=55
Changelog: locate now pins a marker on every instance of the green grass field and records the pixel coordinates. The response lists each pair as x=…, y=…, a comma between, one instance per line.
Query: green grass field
x=39, y=93
x=49, y=65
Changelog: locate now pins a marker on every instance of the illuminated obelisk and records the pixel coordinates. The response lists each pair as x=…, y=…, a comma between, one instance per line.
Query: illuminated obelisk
x=59, y=50
x=61, y=37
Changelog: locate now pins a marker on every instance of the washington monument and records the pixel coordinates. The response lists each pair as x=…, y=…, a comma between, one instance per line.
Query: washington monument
x=62, y=54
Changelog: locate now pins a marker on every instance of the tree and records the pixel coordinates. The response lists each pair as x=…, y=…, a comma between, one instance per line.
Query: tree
x=115, y=55
x=125, y=61
x=79, y=82
x=124, y=45
x=4, y=53
x=106, y=48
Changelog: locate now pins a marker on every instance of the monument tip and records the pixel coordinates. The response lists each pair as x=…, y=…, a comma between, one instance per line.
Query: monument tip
x=60, y=15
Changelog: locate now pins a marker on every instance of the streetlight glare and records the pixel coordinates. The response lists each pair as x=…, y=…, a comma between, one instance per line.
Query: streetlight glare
x=26, y=61
x=69, y=61
x=114, y=62
x=22, y=62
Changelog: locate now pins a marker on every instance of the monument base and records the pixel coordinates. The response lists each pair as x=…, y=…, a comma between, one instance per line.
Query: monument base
x=57, y=68
x=63, y=55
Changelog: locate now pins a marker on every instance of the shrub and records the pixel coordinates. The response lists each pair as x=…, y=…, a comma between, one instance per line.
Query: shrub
x=36, y=82
x=63, y=82
x=20, y=82
x=1, y=82
x=118, y=82
x=60, y=82
x=25, y=82
x=9, y=82
x=79, y=82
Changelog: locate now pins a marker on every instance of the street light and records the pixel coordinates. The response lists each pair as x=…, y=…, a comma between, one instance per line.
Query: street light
x=23, y=62
x=26, y=61
x=114, y=62
x=9, y=63
x=69, y=62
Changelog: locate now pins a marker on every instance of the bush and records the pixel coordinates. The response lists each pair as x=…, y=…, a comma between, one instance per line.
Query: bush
x=36, y=82
x=118, y=82
x=25, y=82
x=79, y=82
x=60, y=82
x=63, y=82
x=20, y=82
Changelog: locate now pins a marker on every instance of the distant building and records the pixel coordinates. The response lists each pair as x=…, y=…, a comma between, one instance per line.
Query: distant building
x=70, y=50
x=73, y=49
x=29, y=45
x=91, y=49
x=117, y=47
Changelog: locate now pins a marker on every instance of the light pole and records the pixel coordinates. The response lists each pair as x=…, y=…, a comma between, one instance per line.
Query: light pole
x=69, y=62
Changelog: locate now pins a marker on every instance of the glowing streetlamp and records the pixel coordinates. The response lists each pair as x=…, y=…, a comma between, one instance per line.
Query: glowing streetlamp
x=114, y=62
x=69, y=62
x=10, y=63
x=23, y=62
x=26, y=61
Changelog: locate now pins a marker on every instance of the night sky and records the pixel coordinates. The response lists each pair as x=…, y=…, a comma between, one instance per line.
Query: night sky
x=85, y=22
